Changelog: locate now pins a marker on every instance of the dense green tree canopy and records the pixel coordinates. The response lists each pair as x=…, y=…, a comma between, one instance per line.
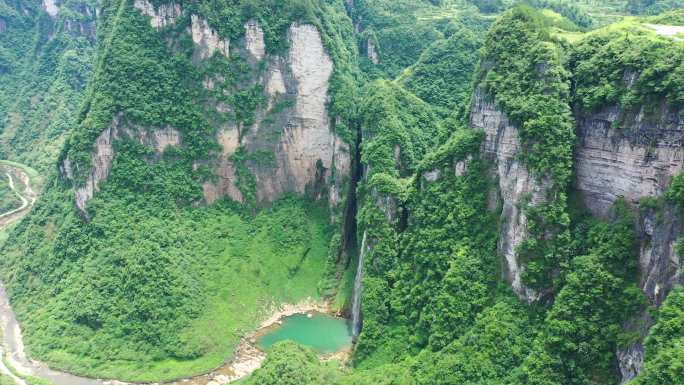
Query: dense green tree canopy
x=154, y=283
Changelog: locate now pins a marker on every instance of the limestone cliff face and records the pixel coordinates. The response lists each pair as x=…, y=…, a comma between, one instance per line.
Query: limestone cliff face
x=627, y=155
x=516, y=184
x=254, y=40
x=290, y=147
x=103, y=154
x=372, y=52
x=51, y=7
x=306, y=155
x=78, y=20
x=166, y=14
x=635, y=155
x=207, y=39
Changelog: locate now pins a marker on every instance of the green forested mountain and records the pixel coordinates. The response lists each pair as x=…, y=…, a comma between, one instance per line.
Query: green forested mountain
x=490, y=191
x=45, y=62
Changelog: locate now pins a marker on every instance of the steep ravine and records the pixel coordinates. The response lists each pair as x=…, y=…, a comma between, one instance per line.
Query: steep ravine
x=292, y=147
x=291, y=144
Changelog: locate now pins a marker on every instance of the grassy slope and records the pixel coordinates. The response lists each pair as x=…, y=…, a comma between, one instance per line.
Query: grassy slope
x=6, y=380
x=242, y=265
x=628, y=24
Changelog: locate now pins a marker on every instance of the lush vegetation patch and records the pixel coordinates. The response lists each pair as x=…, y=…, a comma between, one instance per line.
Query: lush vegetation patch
x=6, y=380
x=628, y=67
x=665, y=344
x=652, y=7
x=290, y=364
x=152, y=288
x=429, y=267
x=568, y=9
x=443, y=74
x=581, y=331
x=44, y=67
x=675, y=17
x=398, y=32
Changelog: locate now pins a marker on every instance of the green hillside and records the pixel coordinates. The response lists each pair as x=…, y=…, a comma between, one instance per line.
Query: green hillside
x=496, y=184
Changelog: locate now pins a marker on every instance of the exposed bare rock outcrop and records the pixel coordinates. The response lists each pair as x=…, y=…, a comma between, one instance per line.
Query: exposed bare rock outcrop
x=372, y=52
x=254, y=40
x=103, y=154
x=207, y=39
x=306, y=156
x=161, y=17
x=226, y=183
x=516, y=184
x=659, y=263
x=635, y=155
x=81, y=20
x=51, y=7
x=630, y=360
x=627, y=155
x=290, y=148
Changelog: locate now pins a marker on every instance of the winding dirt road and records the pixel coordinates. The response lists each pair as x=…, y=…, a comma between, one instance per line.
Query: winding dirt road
x=27, y=196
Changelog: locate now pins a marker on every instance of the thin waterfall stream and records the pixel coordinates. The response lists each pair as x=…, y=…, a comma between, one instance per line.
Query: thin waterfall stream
x=356, y=295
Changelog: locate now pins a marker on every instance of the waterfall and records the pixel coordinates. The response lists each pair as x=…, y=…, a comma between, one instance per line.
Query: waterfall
x=356, y=295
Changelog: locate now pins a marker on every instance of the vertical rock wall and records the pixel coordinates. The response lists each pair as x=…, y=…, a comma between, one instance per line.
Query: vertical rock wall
x=627, y=154
x=103, y=154
x=254, y=40
x=291, y=147
x=635, y=155
x=207, y=39
x=165, y=15
x=309, y=157
x=516, y=185
x=51, y=7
